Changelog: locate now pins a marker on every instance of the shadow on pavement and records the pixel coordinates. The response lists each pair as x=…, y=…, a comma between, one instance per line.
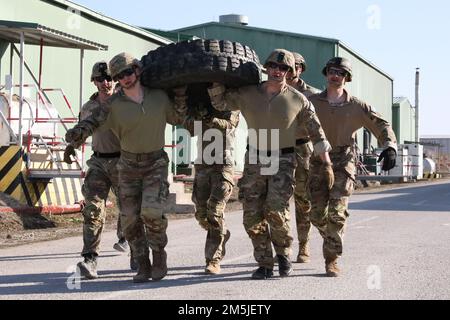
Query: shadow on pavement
x=112, y=281
x=420, y=198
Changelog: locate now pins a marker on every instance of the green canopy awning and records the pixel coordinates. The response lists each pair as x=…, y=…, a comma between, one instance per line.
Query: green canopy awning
x=35, y=33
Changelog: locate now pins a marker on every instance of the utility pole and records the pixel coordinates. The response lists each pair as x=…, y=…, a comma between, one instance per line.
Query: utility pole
x=417, y=104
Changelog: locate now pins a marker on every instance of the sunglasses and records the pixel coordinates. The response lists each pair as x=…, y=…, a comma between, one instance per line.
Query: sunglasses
x=336, y=72
x=281, y=67
x=124, y=73
x=103, y=78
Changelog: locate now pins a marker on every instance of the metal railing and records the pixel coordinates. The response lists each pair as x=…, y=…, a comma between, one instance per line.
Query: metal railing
x=37, y=140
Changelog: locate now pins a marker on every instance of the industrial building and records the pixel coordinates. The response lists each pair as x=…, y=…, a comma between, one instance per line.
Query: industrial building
x=403, y=120
x=47, y=49
x=370, y=83
x=437, y=148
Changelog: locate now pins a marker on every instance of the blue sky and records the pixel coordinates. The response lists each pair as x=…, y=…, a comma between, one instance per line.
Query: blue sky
x=395, y=35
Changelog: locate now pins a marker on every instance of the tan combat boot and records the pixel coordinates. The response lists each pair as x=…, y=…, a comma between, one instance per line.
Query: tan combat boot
x=303, y=253
x=159, y=264
x=88, y=267
x=144, y=270
x=331, y=267
x=225, y=240
x=212, y=268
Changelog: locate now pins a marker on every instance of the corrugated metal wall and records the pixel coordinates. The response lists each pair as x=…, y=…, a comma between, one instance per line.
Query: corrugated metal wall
x=403, y=121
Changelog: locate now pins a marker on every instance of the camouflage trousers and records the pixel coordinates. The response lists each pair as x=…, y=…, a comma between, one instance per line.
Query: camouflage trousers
x=301, y=192
x=265, y=200
x=330, y=207
x=213, y=185
x=101, y=177
x=143, y=190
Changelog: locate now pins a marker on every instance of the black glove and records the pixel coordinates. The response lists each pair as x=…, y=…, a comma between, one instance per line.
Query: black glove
x=73, y=135
x=388, y=156
x=70, y=151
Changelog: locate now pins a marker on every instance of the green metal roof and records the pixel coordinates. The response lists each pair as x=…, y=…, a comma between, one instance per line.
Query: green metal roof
x=285, y=33
x=174, y=36
x=110, y=21
x=230, y=25
x=34, y=33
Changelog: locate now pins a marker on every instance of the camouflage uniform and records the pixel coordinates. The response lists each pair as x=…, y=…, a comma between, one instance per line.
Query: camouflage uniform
x=143, y=165
x=101, y=177
x=213, y=184
x=306, y=89
x=266, y=208
x=266, y=197
x=330, y=207
x=303, y=151
x=143, y=191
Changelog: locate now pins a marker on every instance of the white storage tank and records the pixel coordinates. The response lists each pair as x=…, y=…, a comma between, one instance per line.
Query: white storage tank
x=46, y=128
x=429, y=166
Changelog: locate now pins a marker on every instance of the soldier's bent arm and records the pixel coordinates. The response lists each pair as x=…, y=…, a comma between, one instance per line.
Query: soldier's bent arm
x=379, y=127
x=223, y=99
x=87, y=126
x=177, y=111
x=228, y=121
x=308, y=119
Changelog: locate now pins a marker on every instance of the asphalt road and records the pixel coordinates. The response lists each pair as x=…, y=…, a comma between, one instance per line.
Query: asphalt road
x=397, y=247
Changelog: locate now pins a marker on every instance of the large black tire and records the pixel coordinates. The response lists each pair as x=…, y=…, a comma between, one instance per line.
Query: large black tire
x=201, y=61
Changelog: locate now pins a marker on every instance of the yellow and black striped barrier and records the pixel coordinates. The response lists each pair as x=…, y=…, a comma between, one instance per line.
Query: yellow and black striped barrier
x=48, y=192
x=431, y=175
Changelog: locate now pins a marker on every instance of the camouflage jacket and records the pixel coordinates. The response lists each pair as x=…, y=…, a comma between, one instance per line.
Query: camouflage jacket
x=305, y=88
x=210, y=118
x=284, y=113
x=341, y=122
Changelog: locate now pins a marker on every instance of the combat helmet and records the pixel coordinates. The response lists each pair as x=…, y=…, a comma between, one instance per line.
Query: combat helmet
x=340, y=63
x=100, y=69
x=121, y=62
x=299, y=60
x=281, y=56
